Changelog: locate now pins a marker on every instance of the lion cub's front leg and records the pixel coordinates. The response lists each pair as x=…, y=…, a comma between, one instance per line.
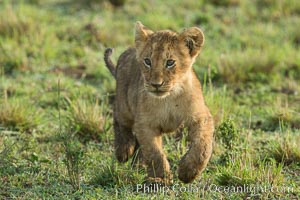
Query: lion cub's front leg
x=150, y=141
x=201, y=137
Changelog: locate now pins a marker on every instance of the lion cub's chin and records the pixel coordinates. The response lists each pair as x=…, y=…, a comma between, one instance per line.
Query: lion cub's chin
x=159, y=95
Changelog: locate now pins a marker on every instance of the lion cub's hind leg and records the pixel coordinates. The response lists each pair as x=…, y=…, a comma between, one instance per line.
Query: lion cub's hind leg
x=124, y=142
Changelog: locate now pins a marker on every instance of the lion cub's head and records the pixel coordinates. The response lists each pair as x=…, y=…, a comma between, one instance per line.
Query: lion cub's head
x=166, y=57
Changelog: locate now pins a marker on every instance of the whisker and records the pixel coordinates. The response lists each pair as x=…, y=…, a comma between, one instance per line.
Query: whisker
x=142, y=90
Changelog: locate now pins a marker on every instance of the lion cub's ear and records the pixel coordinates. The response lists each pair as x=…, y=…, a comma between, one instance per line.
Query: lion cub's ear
x=193, y=39
x=141, y=35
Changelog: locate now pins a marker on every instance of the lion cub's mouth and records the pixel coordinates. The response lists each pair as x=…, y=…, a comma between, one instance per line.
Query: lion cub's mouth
x=159, y=93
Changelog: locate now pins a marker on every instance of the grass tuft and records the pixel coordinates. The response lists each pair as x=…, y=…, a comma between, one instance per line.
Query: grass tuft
x=285, y=151
x=86, y=119
x=18, y=116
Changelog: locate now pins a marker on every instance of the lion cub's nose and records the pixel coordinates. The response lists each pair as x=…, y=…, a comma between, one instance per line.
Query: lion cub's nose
x=157, y=85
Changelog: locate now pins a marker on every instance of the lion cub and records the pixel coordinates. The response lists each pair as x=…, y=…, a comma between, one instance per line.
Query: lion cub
x=158, y=91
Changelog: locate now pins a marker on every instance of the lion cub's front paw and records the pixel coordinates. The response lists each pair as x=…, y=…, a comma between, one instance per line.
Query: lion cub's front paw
x=187, y=172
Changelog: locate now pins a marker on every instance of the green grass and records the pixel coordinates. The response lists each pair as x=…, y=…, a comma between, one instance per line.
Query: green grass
x=56, y=136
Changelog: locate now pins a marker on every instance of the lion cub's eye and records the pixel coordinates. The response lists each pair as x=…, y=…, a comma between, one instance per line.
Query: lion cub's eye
x=147, y=62
x=170, y=63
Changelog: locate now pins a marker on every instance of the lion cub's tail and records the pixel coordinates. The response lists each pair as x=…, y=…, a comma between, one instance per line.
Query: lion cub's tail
x=108, y=62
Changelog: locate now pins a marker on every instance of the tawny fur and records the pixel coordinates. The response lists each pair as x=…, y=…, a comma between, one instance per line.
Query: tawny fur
x=143, y=110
